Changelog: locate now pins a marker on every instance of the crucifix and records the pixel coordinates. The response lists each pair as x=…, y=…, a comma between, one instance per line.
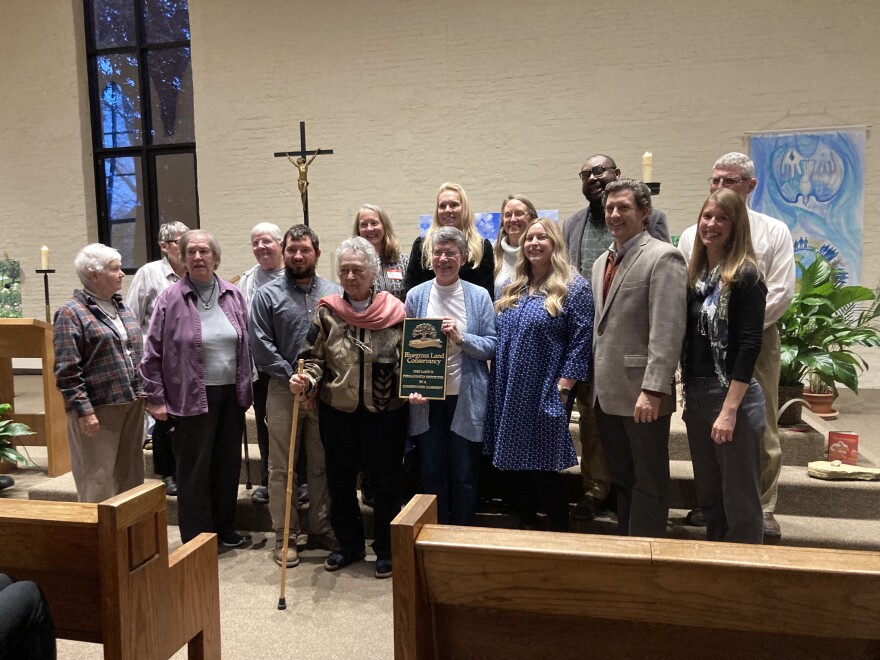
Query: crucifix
x=302, y=164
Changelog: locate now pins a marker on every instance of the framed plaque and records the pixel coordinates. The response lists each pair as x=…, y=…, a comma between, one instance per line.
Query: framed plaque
x=423, y=359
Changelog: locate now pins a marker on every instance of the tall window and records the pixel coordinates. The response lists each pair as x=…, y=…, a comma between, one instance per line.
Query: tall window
x=140, y=94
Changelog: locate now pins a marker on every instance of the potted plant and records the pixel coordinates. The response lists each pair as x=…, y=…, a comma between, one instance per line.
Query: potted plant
x=8, y=430
x=818, y=331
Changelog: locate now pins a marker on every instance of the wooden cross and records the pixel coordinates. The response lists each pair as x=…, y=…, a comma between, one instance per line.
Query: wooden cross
x=302, y=163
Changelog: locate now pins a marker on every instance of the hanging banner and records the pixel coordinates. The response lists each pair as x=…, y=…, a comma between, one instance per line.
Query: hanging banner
x=814, y=181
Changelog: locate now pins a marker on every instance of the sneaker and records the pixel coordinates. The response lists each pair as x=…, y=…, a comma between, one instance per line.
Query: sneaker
x=260, y=495
x=232, y=539
x=383, y=568
x=292, y=555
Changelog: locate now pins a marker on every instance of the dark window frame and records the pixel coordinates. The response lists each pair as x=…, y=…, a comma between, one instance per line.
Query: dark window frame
x=146, y=152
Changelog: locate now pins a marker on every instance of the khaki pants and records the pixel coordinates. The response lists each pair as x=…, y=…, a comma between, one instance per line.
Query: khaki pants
x=594, y=471
x=111, y=461
x=279, y=408
x=767, y=374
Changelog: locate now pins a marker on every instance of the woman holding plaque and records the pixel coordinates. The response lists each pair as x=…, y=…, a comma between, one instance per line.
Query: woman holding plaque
x=449, y=432
x=372, y=223
x=545, y=334
x=352, y=356
x=452, y=210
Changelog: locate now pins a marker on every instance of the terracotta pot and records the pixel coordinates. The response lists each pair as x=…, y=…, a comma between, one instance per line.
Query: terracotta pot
x=792, y=414
x=820, y=403
x=6, y=466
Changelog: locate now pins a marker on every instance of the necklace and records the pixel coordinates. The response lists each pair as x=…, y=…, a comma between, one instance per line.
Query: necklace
x=209, y=302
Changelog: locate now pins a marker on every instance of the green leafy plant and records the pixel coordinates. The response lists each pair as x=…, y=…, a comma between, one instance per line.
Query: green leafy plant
x=8, y=430
x=826, y=319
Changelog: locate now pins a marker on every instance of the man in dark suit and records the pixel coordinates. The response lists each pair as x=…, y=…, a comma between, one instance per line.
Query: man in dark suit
x=587, y=237
x=640, y=293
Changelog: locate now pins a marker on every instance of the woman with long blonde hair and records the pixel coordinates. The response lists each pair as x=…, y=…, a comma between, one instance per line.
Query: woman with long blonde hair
x=453, y=210
x=724, y=405
x=545, y=335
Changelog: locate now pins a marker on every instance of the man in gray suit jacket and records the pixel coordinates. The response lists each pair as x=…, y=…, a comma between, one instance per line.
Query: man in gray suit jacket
x=587, y=237
x=640, y=289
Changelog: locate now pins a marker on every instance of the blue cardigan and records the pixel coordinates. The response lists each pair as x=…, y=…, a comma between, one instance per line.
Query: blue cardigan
x=478, y=347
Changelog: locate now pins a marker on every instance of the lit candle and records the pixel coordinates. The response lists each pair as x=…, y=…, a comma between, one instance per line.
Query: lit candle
x=44, y=257
x=647, y=167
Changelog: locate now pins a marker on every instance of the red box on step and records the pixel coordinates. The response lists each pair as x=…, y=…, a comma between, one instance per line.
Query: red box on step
x=843, y=446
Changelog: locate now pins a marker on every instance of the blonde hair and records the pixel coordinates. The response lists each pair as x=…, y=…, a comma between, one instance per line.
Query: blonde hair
x=390, y=252
x=554, y=286
x=739, y=248
x=468, y=228
x=499, y=251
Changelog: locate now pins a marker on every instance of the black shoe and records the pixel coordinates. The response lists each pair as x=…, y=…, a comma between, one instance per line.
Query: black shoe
x=696, y=518
x=260, y=495
x=232, y=539
x=6, y=481
x=587, y=509
x=170, y=486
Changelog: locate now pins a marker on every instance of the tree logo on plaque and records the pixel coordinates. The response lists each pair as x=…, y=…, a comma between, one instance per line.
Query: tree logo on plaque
x=424, y=335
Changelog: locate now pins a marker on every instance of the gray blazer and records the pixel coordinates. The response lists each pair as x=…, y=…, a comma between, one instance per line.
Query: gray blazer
x=478, y=347
x=639, y=330
x=573, y=232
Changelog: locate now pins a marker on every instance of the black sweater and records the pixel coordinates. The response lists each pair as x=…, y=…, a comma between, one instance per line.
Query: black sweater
x=483, y=276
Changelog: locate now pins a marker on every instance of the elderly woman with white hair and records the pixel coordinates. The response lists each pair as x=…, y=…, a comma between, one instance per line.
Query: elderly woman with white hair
x=197, y=372
x=98, y=345
x=266, y=246
x=352, y=354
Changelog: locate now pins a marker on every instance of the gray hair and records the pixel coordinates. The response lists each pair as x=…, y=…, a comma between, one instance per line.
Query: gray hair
x=450, y=235
x=212, y=243
x=169, y=230
x=641, y=192
x=740, y=161
x=359, y=245
x=94, y=258
x=267, y=228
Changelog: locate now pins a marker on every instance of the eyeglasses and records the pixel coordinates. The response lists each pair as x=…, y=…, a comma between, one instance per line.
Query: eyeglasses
x=449, y=254
x=597, y=171
x=726, y=180
x=519, y=214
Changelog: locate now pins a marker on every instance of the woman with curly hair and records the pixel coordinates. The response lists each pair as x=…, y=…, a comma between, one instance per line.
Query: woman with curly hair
x=545, y=334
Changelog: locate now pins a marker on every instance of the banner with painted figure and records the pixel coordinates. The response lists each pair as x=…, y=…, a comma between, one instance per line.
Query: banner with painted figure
x=814, y=181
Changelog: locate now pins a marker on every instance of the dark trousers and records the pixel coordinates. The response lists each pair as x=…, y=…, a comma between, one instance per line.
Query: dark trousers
x=261, y=394
x=539, y=489
x=374, y=442
x=638, y=459
x=450, y=465
x=163, y=448
x=27, y=631
x=208, y=452
x=727, y=476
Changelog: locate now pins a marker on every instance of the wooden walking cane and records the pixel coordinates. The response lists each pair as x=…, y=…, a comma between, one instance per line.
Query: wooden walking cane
x=282, y=603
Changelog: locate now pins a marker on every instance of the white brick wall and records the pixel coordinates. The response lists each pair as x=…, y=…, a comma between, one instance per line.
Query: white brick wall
x=499, y=96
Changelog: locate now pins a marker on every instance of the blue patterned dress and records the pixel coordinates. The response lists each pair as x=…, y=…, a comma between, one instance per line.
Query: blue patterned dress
x=527, y=424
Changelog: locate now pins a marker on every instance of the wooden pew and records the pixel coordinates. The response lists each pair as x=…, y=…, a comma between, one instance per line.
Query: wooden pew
x=483, y=593
x=108, y=577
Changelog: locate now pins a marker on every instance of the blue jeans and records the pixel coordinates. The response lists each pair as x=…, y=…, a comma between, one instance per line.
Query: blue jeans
x=727, y=476
x=450, y=465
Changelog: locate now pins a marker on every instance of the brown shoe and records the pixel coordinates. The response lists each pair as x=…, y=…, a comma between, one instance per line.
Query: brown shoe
x=292, y=555
x=771, y=527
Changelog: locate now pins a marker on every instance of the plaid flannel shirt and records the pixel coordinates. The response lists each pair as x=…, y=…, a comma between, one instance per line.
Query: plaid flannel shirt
x=92, y=367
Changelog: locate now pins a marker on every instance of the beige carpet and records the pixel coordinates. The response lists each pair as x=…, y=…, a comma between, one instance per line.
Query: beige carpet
x=346, y=614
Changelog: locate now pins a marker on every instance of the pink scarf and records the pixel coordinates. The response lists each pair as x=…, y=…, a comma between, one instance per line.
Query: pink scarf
x=384, y=312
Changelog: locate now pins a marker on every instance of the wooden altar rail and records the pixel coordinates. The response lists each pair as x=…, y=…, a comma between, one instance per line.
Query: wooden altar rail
x=108, y=577
x=497, y=593
x=32, y=338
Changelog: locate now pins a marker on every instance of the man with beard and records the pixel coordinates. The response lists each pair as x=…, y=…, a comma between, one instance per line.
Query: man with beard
x=281, y=314
x=587, y=237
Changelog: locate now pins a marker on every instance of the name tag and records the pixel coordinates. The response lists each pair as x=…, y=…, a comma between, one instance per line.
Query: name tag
x=394, y=274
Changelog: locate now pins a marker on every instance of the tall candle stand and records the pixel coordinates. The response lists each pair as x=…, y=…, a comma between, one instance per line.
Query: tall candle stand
x=45, y=272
